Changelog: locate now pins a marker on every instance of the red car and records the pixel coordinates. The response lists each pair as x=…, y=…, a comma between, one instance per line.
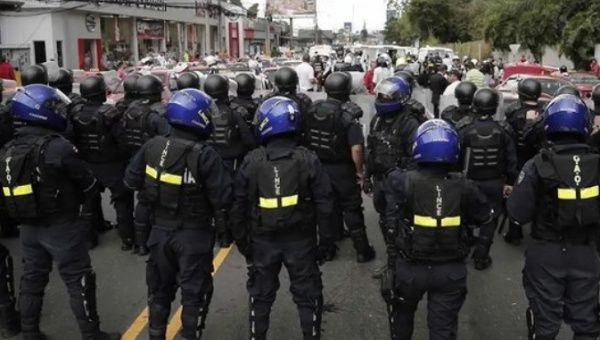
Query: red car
x=585, y=82
x=508, y=88
x=530, y=69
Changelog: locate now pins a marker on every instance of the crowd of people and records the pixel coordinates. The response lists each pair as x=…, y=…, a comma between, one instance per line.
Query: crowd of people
x=282, y=176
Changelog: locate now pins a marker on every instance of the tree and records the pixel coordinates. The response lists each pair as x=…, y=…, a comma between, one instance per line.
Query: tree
x=577, y=39
x=364, y=34
x=400, y=31
x=442, y=19
x=252, y=12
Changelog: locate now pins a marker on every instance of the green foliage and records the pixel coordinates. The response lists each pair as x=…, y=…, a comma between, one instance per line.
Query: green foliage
x=578, y=35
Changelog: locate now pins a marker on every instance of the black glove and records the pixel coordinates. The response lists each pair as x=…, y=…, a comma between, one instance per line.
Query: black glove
x=326, y=252
x=221, y=226
x=481, y=257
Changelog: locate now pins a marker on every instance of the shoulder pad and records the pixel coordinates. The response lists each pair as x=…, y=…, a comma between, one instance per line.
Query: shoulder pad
x=353, y=109
x=507, y=127
x=108, y=111
x=463, y=123
x=238, y=109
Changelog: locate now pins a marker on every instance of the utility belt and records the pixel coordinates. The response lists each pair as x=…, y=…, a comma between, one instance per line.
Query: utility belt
x=165, y=221
x=290, y=234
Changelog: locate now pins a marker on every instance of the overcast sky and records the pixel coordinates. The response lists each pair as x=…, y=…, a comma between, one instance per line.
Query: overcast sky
x=333, y=13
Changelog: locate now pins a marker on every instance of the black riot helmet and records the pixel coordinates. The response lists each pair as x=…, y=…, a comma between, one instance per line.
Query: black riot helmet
x=529, y=89
x=563, y=69
x=149, y=87
x=596, y=96
x=568, y=89
x=338, y=85
x=64, y=81
x=286, y=79
x=408, y=76
x=485, y=102
x=34, y=74
x=188, y=80
x=464, y=93
x=217, y=86
x=130, y=87
x=93, y=89
x=246, y=84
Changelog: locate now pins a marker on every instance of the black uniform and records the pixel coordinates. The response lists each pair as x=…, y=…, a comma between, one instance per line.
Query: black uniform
x=516, y=116
x=331, y=129
x=231, y=137
x=142, y=120
x=8, y=226
x=454, y=114
x=186, y=184
x=276, y=224
x=95, y=134
x=249, y=104
x=44, y=191
x=9, y=319
x=389, y=145
x=489, y=154
x=428, y=212
x=304, y=102
x=557, y=190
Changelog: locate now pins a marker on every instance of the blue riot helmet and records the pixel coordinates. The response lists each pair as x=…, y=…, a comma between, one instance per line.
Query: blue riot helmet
x=41, y=105
x=191, y=110
x=567, y=114
x=276, y=116
x=436, y=142
x=392, y=95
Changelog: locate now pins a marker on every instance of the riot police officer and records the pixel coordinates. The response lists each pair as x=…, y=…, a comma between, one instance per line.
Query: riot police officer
x=428, y=212
x=95, y=127
x=185, y=183
x=131, y=93
x=9, y=318
x=280, y=194
x=415, y=107
x=188, y=80
x=64, y=82
x=8, y=226
x=231, y=137
x=246, y=85
x=389, y=143
x=44, y=183
x=464, y=93
x=332, y=130
x=286, y=82
x=557, y=190
x=34, y=74
x=143, y=120
x=489, y=159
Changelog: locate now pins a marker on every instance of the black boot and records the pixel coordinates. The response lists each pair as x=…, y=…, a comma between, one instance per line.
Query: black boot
x=141, y=237
x=127, y=245
x=158, y=319
x=10, y=325
x=364, y=251
x=514, y=236
x=30, y=329
x=157, y=333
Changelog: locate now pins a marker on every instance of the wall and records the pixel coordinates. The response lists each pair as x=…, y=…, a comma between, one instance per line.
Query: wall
x=20, y=32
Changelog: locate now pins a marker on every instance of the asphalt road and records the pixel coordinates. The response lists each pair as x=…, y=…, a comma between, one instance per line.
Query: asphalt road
x=494, y=309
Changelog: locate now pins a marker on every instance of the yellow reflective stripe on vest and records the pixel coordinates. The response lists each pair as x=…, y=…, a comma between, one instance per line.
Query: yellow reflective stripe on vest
x=289, y=201
x=273, y=203
x=590, y=192
x=453, y=221
x=164, y=177
x=171, y=179
x=21, y=190
x=585, y=193
x=430, y=222
x=150, y=171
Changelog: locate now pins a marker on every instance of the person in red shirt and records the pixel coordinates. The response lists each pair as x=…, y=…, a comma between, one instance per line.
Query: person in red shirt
x=6, y=70
x=368, y=79
x=594, y=67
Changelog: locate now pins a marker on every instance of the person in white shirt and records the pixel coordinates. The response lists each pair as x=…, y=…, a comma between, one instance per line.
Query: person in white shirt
x=306, y=74
x=454, y=77
x=382, y=71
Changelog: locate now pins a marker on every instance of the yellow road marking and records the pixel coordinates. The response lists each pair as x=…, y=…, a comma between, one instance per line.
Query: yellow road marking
x=139, y=324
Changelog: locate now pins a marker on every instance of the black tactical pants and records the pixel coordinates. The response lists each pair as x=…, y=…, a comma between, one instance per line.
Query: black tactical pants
x=297, y=254
x=62, y=241
x=493, y=191
x=446, y=288
x=7, y=291
x=348, y=208
x=110, y=175
x=179, y=258
x=561, y=283
x=379, y=195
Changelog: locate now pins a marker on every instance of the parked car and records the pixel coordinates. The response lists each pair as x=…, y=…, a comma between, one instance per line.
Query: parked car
x=530, y=69
x=508, y=88
x=585, y=82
